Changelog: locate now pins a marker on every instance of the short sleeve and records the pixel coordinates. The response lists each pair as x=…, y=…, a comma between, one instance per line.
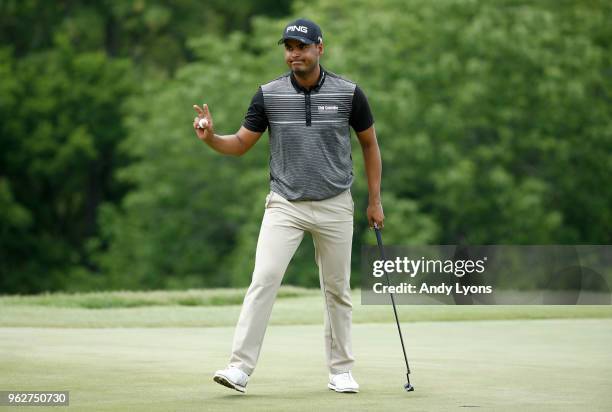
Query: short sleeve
x=361, y=116
x=255, y=119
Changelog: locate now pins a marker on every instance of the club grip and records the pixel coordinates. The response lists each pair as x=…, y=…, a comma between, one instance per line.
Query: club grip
x=380, y=242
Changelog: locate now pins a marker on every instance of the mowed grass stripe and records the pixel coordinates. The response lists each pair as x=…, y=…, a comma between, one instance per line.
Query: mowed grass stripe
x=133, y=299
x=306, y=309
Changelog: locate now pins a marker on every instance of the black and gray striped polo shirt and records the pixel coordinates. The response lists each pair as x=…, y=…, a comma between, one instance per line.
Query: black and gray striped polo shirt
x=310, y=146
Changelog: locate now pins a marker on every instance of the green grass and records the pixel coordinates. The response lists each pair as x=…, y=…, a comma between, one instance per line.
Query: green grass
x=161, y=356
x=134, y=299
x=296, y=306
x=539, y=365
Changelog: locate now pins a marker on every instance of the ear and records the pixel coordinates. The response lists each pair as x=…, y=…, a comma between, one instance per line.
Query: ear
x=320, y=48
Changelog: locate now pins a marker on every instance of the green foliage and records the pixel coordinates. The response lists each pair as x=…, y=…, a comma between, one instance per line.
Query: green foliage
x=60, y=122
x=493, y=118
x=482, y=111
x=192, y=204
x=489, y=108
x=152, y=33
x=66, y=70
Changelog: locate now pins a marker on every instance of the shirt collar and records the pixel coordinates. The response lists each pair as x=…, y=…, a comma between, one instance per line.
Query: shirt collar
x=298, y=88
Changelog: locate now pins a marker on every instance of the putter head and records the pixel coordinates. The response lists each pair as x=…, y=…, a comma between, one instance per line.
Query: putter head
x=408, y=387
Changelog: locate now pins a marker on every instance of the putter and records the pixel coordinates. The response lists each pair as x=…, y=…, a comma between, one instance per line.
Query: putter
x=408, y=387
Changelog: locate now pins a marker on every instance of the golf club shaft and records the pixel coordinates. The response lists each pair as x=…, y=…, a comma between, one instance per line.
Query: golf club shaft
x=399, y=329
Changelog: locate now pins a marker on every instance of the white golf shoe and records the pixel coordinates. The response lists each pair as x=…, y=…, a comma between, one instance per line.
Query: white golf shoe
x=232, y=377
x=343, y=382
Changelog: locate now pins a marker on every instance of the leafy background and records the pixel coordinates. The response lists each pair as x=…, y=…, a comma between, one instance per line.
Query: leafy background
x=494, y=121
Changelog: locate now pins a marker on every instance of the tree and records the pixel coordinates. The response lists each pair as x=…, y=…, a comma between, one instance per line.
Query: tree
x=60, y=121
x=481, y=109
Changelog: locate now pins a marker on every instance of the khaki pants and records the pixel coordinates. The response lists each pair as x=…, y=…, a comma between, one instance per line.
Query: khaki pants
x=330, y=222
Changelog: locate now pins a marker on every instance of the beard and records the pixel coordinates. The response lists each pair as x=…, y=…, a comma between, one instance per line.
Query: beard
x=304, y=71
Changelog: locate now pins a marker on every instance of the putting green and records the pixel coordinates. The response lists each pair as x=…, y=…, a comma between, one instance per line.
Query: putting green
x=551, y=364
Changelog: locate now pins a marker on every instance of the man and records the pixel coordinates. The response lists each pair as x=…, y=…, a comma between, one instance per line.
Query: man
x=309, y=112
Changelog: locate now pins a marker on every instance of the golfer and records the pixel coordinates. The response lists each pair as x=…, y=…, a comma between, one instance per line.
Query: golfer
x=308, y=113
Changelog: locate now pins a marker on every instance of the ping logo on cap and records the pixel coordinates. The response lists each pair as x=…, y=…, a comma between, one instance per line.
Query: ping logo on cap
x=303, y=29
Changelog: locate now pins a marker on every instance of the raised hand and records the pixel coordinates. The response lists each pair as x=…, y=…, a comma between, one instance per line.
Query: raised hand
x=204, y=129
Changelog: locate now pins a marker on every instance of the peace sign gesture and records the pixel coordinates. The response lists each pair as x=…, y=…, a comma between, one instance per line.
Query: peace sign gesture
x=203, y=123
